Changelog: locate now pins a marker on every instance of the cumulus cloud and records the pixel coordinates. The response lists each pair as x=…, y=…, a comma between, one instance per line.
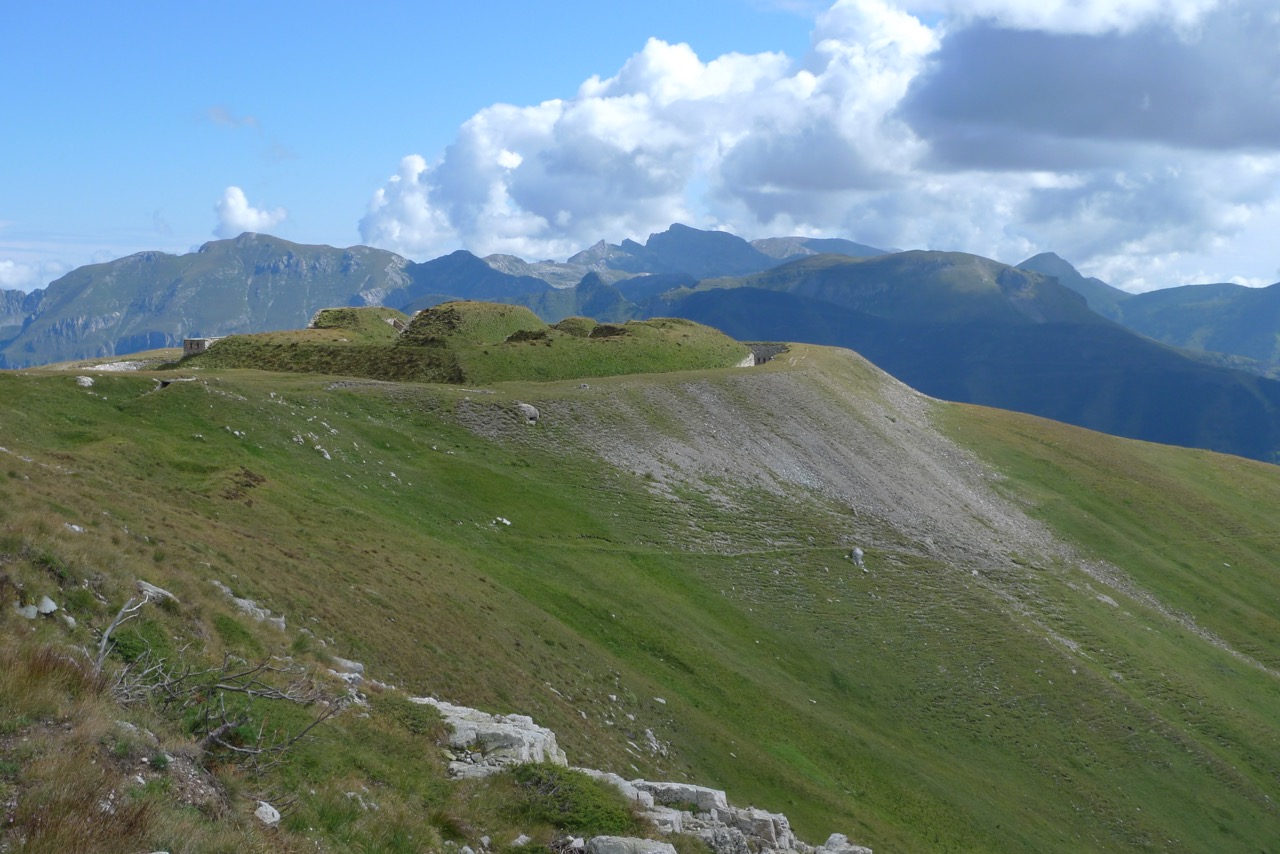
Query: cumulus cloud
x=26, y=275
x=1101, y=129
x=1072, y=16
x=15, y=276
x=668, y=138
x=236, y=215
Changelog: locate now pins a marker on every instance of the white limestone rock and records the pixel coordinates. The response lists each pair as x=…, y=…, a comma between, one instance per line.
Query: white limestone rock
x=627, y=845
x=497, y=740
x=724, y=840
x=838, y=843
x=250, y=607
x=685, y=793
x=348, y=666
x=267, y=814
x=528, y=412
x=773, y=828
x=628, y=789
x=152, y=593
x=666, y=819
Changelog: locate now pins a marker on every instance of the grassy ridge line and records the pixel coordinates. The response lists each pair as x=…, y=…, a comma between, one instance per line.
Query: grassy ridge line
x=910, y=706
x=476, y=343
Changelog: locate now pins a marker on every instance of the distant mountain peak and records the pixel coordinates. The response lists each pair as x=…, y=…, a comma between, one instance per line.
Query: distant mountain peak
x=1049, y=263
x=791, y=248
x=1102, y=298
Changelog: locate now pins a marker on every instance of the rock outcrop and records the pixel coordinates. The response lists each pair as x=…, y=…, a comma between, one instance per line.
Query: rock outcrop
x=627, y=845
x=250, y=607
x=482, y=744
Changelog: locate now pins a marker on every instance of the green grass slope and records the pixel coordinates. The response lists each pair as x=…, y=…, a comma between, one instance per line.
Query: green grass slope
x=1012, y=670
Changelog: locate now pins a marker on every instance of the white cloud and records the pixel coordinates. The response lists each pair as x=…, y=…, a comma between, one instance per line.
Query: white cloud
x=20, y=275
x=851, y=140
x=403, y=216
x=15, y=276
x=668, y=138
x=236, y=215
x=1072, y=16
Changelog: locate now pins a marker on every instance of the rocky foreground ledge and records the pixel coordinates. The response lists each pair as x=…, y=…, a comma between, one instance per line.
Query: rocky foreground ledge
x=482, y=744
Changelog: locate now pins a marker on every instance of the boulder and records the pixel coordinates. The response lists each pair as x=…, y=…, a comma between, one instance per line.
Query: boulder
x=152, y=593
x=703, y=798
x=724, y=840
x=497, y=740
x=46, y=606
x=528, y=413
x=838, y=843
x=627, y=845
x=267, y=814
x=772, y=828
x=666, y=819
x=348, y=666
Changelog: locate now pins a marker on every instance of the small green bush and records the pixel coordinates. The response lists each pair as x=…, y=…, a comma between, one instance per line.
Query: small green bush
x=79, y=599
x=571, y=801
x=236, y=636
x=148, y=637
x=417, y=718
x=52, y=564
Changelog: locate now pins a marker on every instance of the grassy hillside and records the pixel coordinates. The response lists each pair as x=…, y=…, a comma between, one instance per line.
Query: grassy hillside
x=1010, y=670
x=477, y=342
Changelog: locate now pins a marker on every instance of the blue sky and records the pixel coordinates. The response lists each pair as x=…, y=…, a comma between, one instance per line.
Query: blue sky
x=135, y=126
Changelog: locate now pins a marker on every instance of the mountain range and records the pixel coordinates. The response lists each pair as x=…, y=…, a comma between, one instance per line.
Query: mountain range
x=1188, y=366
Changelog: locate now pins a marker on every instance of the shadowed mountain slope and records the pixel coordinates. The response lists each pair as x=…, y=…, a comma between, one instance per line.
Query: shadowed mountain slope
x=1230, y=320
x=1102, y=298
x=969, y=329
x=1220, y=318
